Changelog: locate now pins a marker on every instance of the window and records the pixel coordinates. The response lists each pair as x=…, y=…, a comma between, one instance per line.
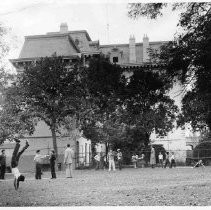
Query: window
x=77, y=41
x=115, y=59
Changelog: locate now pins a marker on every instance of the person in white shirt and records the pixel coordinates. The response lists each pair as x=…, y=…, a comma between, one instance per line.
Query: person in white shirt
x=38, y=164
x=111, y=160
x=160, y=157
x=68, y=160
x=173, y=163
x=97, y=160
x=142, y=160
x=135, y=160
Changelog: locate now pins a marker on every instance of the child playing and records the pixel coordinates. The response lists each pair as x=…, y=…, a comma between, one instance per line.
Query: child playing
x=160, y=157
x=14, y=162
x=173, y=163
x=97, y=160
x=198, y=164
x=142, y=161
x=134, y=160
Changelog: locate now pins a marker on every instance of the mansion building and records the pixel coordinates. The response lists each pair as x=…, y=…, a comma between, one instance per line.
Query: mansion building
x=74, y=45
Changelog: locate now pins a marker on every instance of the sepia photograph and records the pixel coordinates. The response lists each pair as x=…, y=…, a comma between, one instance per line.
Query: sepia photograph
x=105, y=103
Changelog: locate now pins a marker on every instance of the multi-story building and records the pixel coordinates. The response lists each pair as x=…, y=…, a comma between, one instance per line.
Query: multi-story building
x=73, y=45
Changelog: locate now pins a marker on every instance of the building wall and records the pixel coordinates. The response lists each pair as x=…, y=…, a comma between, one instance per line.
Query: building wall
x=125, y=49
x=83, y=152
x=175, y=141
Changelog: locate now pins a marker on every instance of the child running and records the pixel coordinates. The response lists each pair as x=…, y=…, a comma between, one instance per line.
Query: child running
x=14, y=162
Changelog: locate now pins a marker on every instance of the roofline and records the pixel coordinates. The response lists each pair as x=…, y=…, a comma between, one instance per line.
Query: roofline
x=90, y=52
x=71, y=32
x=139, y=43
x=81, y=31
x=37, y=58
x=46, y=36
x=140, y=66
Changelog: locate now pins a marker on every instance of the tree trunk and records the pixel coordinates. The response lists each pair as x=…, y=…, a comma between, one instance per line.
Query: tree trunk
x=53, y=131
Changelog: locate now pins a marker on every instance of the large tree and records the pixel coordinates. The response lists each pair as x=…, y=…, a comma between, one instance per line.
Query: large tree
x=187, y=57
x=105, y=83
x=48, y=90
x=147, y=105
x=127, y=103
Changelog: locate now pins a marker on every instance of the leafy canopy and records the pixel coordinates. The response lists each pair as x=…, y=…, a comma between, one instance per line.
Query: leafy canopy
x=187, y=57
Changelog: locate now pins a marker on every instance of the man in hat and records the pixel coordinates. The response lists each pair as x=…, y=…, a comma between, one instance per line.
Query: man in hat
x=14, y=162
x=119, y=159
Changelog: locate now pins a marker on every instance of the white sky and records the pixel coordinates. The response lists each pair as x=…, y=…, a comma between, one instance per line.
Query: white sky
x=33, y=17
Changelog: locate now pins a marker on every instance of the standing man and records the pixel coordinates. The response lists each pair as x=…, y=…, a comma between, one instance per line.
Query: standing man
x=111, y=160
x=160, y=157
x=68, y=160
x=173, y=163
x=135, y=160
x=152, y=157
x=167, y=162
x=38, y=164
x=52, y=164
x=14, y=162
x=119, y=159
x=97, y=161
x=3, y=164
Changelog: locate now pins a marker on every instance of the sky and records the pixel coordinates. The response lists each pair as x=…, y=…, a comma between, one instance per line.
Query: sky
x=34, y=17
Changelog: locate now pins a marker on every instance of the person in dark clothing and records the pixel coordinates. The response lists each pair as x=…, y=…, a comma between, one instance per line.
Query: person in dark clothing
x=119, y=159
x=14, y=162
x=52, y=164
x=3, y=164
x=167, y=161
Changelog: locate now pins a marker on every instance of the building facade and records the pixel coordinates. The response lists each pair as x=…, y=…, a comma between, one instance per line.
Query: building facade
x=74, y=45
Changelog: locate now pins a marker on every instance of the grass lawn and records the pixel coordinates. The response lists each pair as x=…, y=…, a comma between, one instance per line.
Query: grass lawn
x=129, y=187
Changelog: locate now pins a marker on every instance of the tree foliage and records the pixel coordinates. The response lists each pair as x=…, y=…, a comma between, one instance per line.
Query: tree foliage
x=6, y=121
x=147, y=105
x=102, y=100
x=187, y=57
x=49, y=90
x=127, y=104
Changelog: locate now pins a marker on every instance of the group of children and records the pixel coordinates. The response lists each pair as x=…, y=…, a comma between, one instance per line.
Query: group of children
x=169, y=160
x=101, y=160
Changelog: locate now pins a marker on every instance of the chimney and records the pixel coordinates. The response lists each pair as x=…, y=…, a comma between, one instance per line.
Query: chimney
x=63, y=28
x=132, y=49
x=145, y=48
